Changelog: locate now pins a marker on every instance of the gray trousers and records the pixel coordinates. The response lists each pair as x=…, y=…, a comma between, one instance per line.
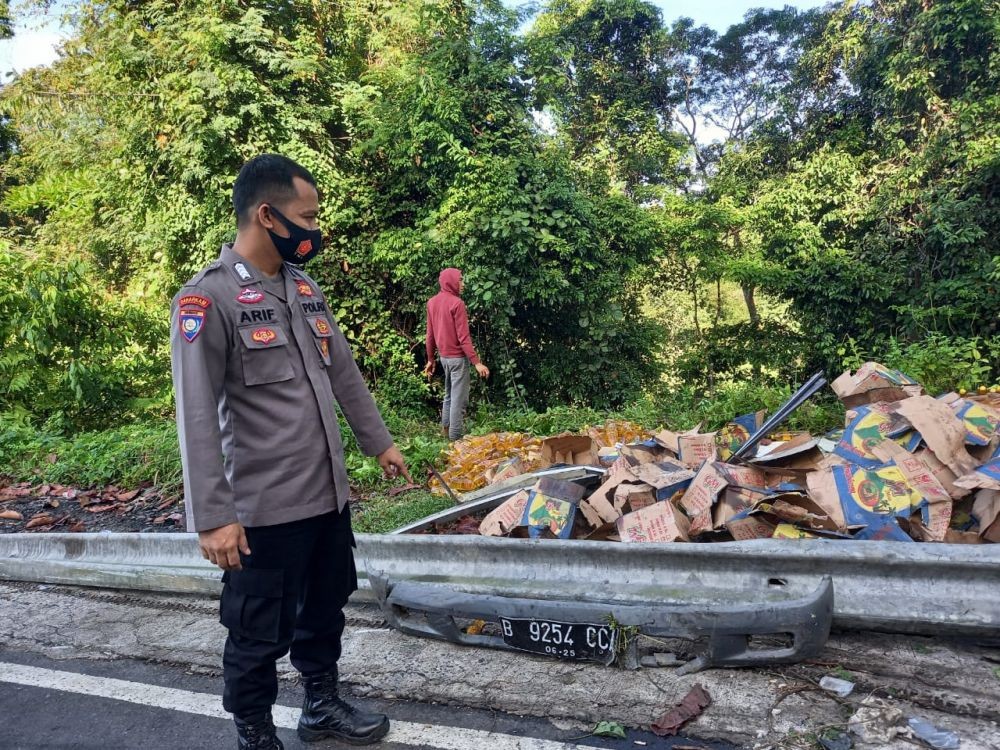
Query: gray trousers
x=456, y=395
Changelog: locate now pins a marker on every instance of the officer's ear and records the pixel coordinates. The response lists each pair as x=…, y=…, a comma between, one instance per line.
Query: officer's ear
x=264, y=216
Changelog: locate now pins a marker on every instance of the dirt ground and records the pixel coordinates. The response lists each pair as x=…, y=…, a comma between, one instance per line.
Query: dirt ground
x=61, y=508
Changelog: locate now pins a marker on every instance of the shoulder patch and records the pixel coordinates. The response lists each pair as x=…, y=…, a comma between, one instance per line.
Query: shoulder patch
x=194, y=300
x=304, y=288
x=250, y=296
x=190, y=320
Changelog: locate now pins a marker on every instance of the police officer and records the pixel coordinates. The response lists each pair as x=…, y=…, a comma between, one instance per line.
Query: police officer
x=257, y=363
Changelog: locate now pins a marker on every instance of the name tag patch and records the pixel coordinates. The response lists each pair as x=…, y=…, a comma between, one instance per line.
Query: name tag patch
x=250, y=296
x=314, y=307
x=190, y=321
x=259, y=315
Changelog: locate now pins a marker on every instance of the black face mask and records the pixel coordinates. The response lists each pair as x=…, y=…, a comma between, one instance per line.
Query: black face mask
x=301, y=245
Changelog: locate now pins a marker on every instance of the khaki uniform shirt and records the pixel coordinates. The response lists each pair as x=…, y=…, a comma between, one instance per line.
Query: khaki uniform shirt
x=257, y=364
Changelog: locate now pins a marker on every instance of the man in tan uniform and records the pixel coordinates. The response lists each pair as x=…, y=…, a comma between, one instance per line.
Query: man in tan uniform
x=257, y=363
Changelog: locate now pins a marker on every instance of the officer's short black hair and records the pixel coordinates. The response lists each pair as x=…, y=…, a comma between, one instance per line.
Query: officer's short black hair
x=265, y=179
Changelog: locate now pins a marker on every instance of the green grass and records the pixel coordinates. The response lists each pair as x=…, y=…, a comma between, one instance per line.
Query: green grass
x=380, y=513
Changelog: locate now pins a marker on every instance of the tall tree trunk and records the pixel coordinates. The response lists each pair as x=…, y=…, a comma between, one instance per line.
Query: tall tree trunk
x=748, y=290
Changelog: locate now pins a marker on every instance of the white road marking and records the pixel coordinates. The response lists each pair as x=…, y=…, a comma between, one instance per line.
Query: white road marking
x=206, y=704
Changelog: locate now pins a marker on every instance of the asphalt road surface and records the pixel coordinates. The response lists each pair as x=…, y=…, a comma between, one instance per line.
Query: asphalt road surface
x=49, y=704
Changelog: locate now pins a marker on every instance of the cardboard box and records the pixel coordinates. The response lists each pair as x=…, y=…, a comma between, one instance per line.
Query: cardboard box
x=801, y=452
x=660, y=522
x=735, y=433
x=874, y=382
x=942, y=431
x=867, y=426
x=986, y=477
x=506, y=469
x=883, y=529
x=667, y=477
x=503, y=518
x=550, y=510
x=981, y=422
x=986, y=510
x=607, y=456
x=799, y=509
x=575, y=450
x=633, y=497
x=747, y=525
x=697, y=449
x=736, y=501
x=701, y=495
x=743, y=476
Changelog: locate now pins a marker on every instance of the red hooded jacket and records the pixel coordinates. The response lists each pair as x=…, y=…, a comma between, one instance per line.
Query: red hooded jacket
x=448, y=321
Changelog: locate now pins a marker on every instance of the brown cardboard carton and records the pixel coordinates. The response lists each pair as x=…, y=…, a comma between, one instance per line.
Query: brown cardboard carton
x=660, y=522
x=632, y=497
x=734, y=501
x=701, y=495
x=986, y=510
x=576, y=450
x=801, y=452
x=751, y=526
x=823, y=491
x=506, y=469
x=942, y=431
x=504, y=517
x=874, y=382
x=696, y=449
x=669, y=440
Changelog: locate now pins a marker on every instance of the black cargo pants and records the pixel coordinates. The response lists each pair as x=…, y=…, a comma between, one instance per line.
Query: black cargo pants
x=290, y=595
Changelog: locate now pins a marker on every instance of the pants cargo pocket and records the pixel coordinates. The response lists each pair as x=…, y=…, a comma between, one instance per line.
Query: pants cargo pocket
x=251, y=603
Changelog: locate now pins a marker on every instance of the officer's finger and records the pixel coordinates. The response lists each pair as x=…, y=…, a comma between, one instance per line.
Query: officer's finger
x=233, y=559
x=244, y=545
x=204, y=553
x=406, y=472
x=212, y=558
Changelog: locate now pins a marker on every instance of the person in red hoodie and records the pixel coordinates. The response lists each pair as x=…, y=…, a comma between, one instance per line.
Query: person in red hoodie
x=448, y=335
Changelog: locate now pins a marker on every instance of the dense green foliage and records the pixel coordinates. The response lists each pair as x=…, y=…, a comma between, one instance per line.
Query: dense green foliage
x=614, y=255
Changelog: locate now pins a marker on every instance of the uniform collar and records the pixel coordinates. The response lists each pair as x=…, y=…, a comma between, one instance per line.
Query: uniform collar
x=242, y=270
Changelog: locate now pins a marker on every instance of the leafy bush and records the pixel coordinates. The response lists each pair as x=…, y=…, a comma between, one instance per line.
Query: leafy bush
x=125, y=456
x=940, y=363
x=72, y=354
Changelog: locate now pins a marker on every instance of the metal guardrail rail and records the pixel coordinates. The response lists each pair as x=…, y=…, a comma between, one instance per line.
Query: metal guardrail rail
x=910, y=588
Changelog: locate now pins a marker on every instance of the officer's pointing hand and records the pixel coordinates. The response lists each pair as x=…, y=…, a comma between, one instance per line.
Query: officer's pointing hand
x=222, y=546
x=393, y=464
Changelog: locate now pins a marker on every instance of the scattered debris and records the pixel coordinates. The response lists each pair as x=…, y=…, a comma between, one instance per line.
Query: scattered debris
x=609, y=729
x=939, y=739
x=902, y=470
x=876, y=721
x=67, y=508
x=837, y=686
x=690, y=707
x=841, y=742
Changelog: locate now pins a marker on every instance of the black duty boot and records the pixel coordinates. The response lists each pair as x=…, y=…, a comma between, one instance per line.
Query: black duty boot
x=326, y=716
x=257, y=733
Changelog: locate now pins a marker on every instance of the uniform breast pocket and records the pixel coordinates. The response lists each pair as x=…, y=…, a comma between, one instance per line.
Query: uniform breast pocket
x=265, y=354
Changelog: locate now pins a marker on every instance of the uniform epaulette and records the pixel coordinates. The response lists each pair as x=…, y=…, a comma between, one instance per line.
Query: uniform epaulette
x=196, y=279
